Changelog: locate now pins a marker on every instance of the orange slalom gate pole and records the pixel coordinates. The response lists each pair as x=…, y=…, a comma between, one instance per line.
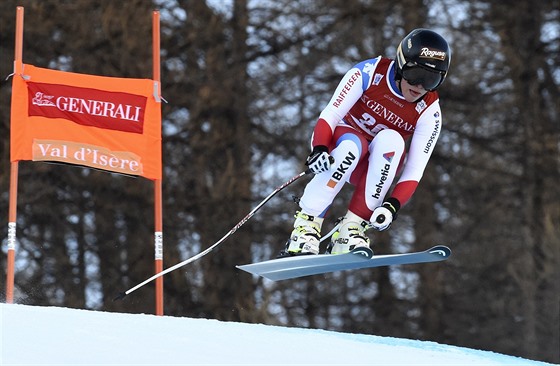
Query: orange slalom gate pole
x=158, y=199
x=14, y=169
x=10, y=276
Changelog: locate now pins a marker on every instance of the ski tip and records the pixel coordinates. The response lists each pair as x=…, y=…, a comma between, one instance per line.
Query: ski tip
x=120, y=296
x=441, y=250
x=364, y=251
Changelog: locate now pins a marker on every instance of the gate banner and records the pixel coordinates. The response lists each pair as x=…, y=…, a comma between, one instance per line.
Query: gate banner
x=106, y=123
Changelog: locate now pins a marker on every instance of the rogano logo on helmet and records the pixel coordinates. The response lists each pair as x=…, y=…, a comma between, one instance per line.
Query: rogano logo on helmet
x=425, y=52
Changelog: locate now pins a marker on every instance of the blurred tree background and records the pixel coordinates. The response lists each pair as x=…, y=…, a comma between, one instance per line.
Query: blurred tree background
x=245, y=82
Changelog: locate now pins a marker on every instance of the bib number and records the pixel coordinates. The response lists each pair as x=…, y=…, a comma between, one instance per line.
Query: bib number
x=369, y=122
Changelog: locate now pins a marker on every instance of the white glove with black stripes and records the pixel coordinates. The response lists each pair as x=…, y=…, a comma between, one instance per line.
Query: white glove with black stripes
x=319, y=160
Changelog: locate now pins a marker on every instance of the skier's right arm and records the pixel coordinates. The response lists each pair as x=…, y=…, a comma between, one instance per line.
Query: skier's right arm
x=348, y=92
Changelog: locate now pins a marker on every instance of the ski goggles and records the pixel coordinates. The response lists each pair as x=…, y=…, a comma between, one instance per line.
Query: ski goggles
x=415, y=74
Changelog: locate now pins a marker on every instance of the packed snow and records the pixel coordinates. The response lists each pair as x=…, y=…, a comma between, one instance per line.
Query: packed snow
x=33, y=335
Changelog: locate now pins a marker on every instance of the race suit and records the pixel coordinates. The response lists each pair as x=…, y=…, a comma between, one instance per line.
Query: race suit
x=366, y=126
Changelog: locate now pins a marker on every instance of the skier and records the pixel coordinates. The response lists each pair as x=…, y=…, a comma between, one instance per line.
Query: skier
x=360, y=138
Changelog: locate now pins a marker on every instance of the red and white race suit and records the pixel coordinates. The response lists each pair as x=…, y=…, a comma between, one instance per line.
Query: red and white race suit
x=366, y=127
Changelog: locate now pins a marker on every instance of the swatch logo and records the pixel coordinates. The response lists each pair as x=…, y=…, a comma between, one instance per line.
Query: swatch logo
x=389, y=156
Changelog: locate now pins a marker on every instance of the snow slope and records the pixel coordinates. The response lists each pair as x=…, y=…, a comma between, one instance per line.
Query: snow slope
x=59, y=336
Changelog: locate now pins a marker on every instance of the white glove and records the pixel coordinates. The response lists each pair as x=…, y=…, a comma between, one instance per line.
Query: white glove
x=383, y=216
x=319, y=160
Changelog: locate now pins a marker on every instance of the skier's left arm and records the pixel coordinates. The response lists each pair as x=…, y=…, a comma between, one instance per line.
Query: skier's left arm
x=422, y=145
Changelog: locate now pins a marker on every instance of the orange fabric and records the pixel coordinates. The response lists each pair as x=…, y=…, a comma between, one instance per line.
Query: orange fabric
x=102, y=122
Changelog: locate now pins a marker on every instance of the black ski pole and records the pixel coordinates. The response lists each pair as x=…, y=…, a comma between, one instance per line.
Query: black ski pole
x=121, y=295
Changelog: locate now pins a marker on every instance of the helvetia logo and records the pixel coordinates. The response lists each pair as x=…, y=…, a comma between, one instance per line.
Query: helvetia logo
x=89, y=107
x=389, y=156
x=382, y=179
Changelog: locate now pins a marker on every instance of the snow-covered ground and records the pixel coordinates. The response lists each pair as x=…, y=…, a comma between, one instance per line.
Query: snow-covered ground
x=33, y=335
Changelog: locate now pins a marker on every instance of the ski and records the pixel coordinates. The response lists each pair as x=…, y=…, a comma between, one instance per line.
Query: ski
x=359, y=258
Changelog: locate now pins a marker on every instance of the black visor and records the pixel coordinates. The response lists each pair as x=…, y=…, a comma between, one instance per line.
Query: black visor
x=418, y=75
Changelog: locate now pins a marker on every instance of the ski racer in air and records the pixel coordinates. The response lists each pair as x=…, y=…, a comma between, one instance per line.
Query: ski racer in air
x=380, y=107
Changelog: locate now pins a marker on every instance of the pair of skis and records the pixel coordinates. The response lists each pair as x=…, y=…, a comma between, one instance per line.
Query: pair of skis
x=306, y=265
x=359, y=258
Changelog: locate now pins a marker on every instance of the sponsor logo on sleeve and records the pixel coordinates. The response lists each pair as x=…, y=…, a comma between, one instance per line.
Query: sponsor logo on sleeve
x=347, y=87
x=433, y=137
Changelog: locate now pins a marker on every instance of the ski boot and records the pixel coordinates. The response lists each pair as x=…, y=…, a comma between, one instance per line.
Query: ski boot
x=305, y=237
x=350, y=234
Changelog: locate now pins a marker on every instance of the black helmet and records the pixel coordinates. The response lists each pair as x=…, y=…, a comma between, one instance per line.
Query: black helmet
x=423, y=57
